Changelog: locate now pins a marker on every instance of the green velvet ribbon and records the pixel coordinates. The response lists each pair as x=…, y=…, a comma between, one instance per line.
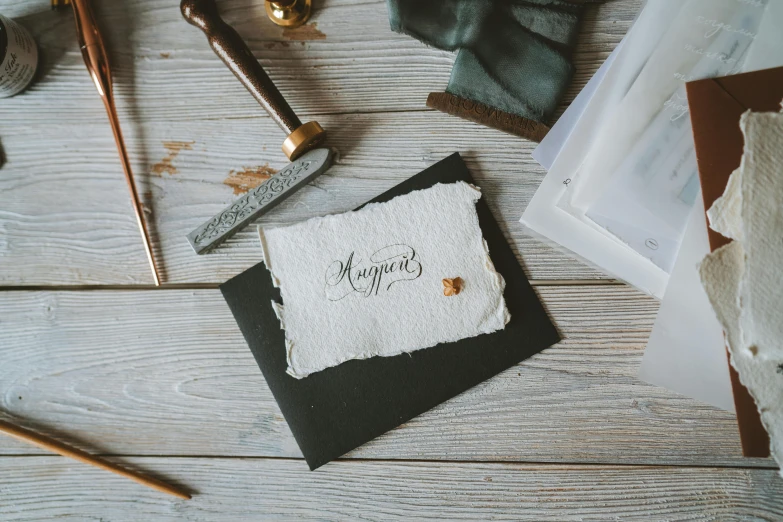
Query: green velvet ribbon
x=512, y=55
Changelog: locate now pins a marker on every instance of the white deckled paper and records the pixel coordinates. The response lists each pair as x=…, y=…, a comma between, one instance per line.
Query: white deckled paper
x=724, y=214
x=761, y=291
x=370, y=282
x=742, y=279
x=721, y=274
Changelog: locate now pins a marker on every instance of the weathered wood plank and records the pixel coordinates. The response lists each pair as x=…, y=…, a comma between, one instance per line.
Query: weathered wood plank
x=346, y=60
x=64, y=211
x=168, y=373
x=65, y=216
x=45, y=488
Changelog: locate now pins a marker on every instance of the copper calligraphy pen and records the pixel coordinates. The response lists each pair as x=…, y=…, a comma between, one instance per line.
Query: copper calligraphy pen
x=97, y=62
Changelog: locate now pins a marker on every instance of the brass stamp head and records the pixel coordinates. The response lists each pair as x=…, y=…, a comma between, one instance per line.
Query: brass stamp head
x=302, y=139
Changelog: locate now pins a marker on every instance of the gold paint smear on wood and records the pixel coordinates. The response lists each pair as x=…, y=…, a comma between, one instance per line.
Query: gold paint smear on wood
x=248, y=178
x=304, y=32
x=167, y=164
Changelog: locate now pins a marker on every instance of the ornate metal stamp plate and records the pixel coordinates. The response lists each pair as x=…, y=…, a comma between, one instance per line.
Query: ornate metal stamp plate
x=259, y=200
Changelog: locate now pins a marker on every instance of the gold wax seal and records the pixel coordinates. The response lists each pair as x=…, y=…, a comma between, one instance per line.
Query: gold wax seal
x=452, y=286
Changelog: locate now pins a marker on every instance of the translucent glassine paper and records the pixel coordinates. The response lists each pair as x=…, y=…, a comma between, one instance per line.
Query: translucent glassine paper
x=581, y=237
x=370, y=283
x=549, y=149
x=639, y=180
x=686, y=352
x=765, y=52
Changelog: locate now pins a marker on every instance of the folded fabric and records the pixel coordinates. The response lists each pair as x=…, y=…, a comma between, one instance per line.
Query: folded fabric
x=513, y=55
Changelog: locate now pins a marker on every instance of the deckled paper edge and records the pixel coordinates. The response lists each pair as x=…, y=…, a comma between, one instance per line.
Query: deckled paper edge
x=265, y=257
x=727, y=260
x=499, y=283
x=728, y=264
x=724, y=215
x=276, y=307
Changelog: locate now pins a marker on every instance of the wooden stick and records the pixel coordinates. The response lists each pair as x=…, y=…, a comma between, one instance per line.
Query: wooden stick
x=76, y=454
x=485, y=115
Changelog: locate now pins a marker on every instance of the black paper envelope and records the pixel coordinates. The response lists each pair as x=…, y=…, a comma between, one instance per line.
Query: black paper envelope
x=338, y=409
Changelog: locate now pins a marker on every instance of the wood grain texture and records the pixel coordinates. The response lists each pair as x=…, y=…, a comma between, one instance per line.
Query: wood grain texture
x=165, y=69
x=54, y=230
x=48, y=488
x=165, y=375
x=65, y=217
x=167, y=372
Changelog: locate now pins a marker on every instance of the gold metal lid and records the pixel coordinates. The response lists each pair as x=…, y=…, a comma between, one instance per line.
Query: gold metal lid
x=288, y=13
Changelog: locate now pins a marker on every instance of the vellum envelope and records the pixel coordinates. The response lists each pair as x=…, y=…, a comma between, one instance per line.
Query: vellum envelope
x=370, y=282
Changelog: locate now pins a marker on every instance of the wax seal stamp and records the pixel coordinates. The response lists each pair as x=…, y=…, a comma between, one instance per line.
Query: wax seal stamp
x=308, y=162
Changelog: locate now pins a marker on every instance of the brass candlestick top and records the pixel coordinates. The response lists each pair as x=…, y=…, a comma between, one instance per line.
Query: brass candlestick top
x=288, y=13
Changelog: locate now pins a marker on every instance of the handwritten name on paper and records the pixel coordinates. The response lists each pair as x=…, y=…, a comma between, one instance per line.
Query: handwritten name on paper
x=380, y=271
x=712, y=55
x=716, y=26
x=754, y=3
x=679, y=104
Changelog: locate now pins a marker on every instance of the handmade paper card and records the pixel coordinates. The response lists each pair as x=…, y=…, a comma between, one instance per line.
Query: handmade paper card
x=339, y=408
x=743, y=279
x=375, y=282
x=716, y=107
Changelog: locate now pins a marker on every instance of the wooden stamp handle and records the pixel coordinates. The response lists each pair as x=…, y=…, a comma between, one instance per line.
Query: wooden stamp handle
x=234, y=52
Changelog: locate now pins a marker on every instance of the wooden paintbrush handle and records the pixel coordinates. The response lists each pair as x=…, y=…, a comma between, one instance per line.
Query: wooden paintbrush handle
x=77, y=454
x=234, y=52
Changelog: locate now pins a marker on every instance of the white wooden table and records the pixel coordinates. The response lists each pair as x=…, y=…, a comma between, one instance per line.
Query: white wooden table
x=161, y=379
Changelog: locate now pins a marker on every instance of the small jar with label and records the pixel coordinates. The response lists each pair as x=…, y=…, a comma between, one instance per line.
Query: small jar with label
x=18, y=57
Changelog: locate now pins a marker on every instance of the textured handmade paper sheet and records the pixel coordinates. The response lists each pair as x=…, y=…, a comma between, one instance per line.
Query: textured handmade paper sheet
x=743, y=279
x=725, y=213
x=761, y=291
x=370, y=283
